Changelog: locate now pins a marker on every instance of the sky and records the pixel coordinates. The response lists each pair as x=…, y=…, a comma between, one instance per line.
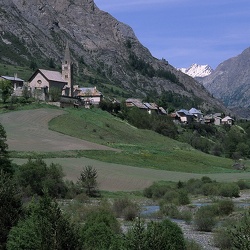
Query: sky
x=184, y=32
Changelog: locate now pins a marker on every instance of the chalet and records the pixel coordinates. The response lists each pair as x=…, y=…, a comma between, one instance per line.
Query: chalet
x=17, y=83
x=184, y=116
x=131, y=102
x=197, y=115
x=88, y=95
x=152, y=107
x=149, y=107
x=227, y=120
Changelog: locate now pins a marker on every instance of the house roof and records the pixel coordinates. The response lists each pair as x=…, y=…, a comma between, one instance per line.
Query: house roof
x=137, y=103
x=12, y=78
x=163, y=111
x=195, y=111
x=227, y=118
x=50, y=75
x=184, y=111
x=89, y=92
x=152, y=106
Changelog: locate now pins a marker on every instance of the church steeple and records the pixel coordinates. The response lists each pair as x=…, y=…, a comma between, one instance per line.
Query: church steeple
x=67, y=58
x=67, y=69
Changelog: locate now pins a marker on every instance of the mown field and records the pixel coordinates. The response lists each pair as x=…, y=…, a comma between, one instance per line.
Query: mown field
x=75, y=138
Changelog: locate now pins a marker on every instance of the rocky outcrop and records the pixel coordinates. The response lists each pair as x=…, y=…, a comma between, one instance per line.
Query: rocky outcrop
x=230, y=81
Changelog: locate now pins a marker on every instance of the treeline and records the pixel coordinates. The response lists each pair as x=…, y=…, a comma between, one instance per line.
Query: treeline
x=161, y=124
x=227, y=141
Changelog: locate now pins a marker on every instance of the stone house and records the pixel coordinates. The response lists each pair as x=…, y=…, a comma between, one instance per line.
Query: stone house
x=88, y=96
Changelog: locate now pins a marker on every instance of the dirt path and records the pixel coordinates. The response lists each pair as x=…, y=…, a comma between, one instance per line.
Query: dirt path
x=28, y=131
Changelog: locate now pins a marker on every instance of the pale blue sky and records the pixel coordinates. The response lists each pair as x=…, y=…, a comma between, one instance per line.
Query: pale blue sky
x=186, y=31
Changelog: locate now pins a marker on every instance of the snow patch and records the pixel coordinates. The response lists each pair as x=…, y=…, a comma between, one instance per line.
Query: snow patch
x=196, y=70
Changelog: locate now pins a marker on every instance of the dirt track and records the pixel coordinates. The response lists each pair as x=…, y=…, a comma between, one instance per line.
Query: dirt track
x=28, y=131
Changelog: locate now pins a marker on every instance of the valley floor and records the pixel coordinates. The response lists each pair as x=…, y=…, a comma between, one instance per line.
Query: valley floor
x=28, y=131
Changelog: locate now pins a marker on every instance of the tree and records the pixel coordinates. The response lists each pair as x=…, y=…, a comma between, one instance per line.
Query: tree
x=100, y=231
x=55, y=94
x=88, y=180
x=155, y=235
x=26, y=93
x=7, y=89
x=5, y=163
x=35, y=175
x=240, y=233
x=44, y=227
x=10, y=206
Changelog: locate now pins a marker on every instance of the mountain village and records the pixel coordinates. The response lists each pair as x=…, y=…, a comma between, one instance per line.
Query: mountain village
x=42, y=81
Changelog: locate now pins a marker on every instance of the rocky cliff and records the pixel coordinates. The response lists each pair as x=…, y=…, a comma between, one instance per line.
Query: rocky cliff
x=230, y=81
x=35, y=30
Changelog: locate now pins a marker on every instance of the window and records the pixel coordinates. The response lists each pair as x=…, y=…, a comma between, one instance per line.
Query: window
x=39, y=81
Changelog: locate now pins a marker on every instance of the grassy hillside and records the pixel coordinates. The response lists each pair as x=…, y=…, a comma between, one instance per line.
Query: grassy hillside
x=22, y=72
x=141, y=148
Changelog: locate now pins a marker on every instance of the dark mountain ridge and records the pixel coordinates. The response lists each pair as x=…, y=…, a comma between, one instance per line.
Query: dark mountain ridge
x=230, y=82
x=101, y=47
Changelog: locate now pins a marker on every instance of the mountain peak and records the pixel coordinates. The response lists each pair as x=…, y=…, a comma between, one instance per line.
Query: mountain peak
x=196, y=70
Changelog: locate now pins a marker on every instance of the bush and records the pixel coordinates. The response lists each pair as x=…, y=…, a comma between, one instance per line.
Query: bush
x=222, y=238
x=225, y=207
x=204, y=219
x=183, y=198
x=155, y=235
x=194, y=185
x=243, y=184
x=125, y=208
x=156, y=190
x=170, y=210
x=192, y=245
x=130, y=212
x=187, y=216
x=171, y=196
x=210, y=189
x=229, y=190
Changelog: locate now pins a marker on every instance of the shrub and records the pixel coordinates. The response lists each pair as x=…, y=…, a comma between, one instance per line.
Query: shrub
x=243, y=184
x=183, y=198
x=222, y=238
x=187, y=216
x=171, y=196
x=225, y=207
x=170, y=210
x=130, y=212
x=210, y=189
x=194, y=185
x=204, y=219
x=229, y=190
x=156, y=190
x=155, y=235
x=125, y=208
x=192, y=245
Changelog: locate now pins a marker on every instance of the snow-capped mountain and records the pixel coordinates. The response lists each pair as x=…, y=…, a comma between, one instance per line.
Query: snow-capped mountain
x=196, y=70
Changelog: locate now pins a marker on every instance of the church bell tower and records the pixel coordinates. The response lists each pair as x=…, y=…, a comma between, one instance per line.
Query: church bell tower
x=67, y=71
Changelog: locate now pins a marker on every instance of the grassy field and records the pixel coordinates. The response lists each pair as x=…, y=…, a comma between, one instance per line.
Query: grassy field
x=118, y=177
x=140, y=148
x=125, y=157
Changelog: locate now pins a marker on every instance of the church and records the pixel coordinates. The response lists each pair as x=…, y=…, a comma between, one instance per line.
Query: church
x=43, y=81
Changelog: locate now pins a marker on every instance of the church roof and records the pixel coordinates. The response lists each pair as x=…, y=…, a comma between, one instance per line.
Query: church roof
x=50, y=75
